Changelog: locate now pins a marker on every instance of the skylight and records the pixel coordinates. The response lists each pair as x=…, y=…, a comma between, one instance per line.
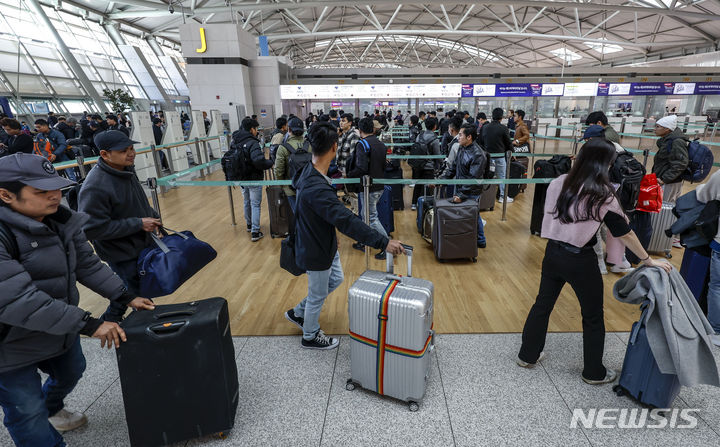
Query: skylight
x=564, y=53
x=441, y=43
x=604, y=48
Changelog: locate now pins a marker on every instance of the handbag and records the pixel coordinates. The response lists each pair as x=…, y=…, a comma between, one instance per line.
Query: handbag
x=287, y=255
x=164, y=266
x=651, y=196
x=523, y=149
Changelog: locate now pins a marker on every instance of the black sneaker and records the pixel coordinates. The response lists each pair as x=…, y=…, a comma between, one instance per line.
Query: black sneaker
x=380, y=256
x=291, y=317
x=248, y=228
x=321, y=341
x=358, y=246
x=257, y=236
x=482, y=244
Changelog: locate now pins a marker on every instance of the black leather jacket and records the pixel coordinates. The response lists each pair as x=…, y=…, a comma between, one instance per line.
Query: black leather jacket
x=468, y=164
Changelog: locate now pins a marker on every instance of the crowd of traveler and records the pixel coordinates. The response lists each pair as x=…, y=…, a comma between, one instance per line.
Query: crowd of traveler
x=40, y=317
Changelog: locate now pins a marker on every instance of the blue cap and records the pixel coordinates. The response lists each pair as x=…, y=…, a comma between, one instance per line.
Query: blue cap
x=594, y=131
x=112, y=140
x=32, y=170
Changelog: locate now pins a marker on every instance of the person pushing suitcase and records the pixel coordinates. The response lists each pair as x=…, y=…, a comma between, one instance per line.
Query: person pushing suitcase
x=43, y=253
x=318, y=212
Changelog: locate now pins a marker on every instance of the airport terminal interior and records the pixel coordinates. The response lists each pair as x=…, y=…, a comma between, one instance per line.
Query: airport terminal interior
x=181, y=77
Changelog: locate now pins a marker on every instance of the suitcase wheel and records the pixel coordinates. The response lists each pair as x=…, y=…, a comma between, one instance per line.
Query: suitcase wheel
x=350, y=385
x=413, y=406
x=620, y=391
x=474, y=259
x=221, y=435
x=668, y=255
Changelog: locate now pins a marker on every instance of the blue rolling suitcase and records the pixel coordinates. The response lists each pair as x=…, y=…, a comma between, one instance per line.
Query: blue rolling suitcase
x=640, y=377
x=384, y=208
x=695, y=270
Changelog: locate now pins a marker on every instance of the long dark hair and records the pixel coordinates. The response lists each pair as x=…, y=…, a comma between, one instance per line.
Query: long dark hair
x=587, y=186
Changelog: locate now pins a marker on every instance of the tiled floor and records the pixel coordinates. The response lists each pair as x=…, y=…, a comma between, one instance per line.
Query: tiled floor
x=476, y=396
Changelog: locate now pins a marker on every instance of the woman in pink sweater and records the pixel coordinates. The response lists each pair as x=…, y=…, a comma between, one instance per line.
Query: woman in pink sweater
x=576, y=205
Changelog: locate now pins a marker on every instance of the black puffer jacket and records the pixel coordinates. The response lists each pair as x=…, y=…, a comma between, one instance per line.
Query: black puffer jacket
x=39, y=317
x=244, y=140
x=468, y=164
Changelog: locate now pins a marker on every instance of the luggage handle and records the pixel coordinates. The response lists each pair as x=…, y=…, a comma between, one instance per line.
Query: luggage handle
x=165, y=329
x=175, y=313
x=389, y=261
x=160, y=243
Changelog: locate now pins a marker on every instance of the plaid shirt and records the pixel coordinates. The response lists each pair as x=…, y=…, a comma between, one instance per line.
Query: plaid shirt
x=346, y=146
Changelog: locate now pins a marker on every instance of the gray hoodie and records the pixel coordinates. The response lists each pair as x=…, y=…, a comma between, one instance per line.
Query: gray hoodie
x=677, y=329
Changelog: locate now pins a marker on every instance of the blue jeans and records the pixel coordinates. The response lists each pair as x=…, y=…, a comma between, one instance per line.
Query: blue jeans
x=713, y=298
x=481, y=229
x=500, y=167
x=253, y=198
x=27, y=403
x=321, y=283
x=70, y=172
x=128, y=272
x=372, y=206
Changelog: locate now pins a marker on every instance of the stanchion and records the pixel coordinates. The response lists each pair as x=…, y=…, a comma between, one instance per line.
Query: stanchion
x=152, y=184
x=199, y=157
x=80, y=160
x=366, y=214
x=232, y=205
x=158, y=165
x=505, y=196
x=646, y=154
x=545, y=139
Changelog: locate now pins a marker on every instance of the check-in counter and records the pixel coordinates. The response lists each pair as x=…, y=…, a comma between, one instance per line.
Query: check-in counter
x=634, y=124
x=568, y=122
x=543, y=128
x=616, y=122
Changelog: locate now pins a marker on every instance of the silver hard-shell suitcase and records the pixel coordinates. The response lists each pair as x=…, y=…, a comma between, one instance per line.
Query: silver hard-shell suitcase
x=395, y=361
x=660, y=242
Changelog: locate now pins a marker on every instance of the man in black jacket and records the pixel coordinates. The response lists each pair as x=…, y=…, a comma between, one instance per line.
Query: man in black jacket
x=318, y=213
x=469, y=163
x=247, y=141
x=428, y=168
x=370, y=155
x=64, y=128
x=113, y=124
x=121, y=218
x=17, y=141
x=497, y=142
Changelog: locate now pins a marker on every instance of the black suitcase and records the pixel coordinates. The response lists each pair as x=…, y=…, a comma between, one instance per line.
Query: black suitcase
x=538, y=208
x=178, y=373
x=454, y=232
x=517, y=170
x=280, y=211
x=398, y=200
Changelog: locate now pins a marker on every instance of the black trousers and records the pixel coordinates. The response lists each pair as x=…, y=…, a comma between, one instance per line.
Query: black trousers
x=420, y=174
x=581, y=270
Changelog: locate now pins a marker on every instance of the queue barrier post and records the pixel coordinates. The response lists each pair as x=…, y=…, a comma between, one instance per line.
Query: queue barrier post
x=646, y=154
x=152, y=184
x=232, y=206
x=366, y=214
x=199, y=156
x=158, y=165
x=505, y=195
x=80, y=160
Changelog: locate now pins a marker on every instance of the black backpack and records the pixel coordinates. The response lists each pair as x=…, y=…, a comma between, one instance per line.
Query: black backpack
x=552, y=168
x=419, y=147
x=299, y=158
x=628, y=173
x=235, y=163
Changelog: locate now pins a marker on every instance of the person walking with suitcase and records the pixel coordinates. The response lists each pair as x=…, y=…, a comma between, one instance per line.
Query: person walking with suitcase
x=370, y=157
x=318, y=214
x=43, y=254
x=469, y=163
x=576, y=204
x=120, y=216
x=497, y=140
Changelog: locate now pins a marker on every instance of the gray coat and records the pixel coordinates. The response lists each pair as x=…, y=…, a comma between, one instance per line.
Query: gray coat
x=433, y=143
x=39, y=317
x=677, y=329
x=116, y=203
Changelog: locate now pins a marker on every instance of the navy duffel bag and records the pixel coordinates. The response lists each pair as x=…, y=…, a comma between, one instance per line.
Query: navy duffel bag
x=172, y=260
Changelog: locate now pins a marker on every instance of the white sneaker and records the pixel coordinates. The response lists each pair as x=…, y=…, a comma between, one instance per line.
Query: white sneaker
x=676, y=243
x=715, y=339
x=484, y=222
x=510, y=200
x=621, y=269
x=65, y=420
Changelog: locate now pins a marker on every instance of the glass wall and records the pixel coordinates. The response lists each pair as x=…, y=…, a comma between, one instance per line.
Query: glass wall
x=573, y=107
x=546, y=107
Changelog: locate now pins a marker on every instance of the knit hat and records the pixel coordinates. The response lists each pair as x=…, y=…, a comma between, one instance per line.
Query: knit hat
x=668, y=122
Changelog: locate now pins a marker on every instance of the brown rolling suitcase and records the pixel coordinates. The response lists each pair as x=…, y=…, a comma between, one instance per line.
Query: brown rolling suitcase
x=486, y=201
x=455, y=230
